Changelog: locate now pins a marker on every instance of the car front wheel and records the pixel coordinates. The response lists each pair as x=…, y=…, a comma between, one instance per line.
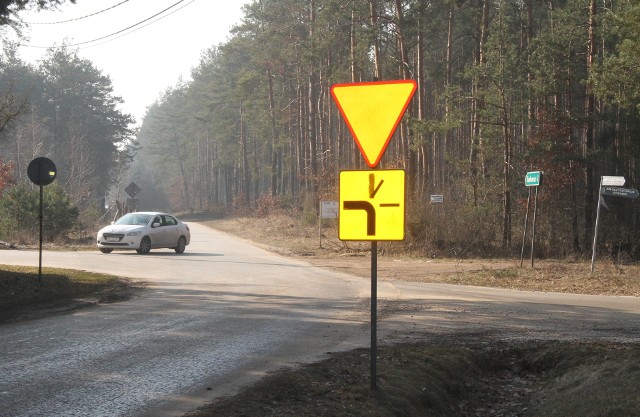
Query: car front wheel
x=106, y=250
x=145, y=246
x=182, y=244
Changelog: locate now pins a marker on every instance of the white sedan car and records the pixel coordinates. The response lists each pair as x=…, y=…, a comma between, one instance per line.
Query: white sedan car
x=144, y=231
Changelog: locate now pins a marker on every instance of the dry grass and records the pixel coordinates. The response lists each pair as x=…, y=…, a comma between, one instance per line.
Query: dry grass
x=463, y=379
x=24, y=295
x=555, y=276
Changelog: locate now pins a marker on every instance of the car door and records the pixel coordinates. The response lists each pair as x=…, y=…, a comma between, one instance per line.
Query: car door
x=171, y=231
x=158, y=237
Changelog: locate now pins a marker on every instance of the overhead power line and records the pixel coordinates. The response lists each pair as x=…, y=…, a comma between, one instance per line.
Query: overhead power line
x=141, y=27
x=79, y=18
x=123, y=30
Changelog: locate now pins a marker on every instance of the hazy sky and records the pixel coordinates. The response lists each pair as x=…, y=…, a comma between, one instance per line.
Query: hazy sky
x=146, y=59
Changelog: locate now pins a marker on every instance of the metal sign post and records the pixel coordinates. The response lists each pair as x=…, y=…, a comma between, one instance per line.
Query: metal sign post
x=526, y=225
x=532, y=179
x=595, y=232
x=533, y=228
x=41, y=171
x=438, y=199
x=328, y=210
x=374, y=312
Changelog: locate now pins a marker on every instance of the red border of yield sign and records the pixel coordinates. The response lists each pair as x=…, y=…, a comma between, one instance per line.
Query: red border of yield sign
x=345, y=115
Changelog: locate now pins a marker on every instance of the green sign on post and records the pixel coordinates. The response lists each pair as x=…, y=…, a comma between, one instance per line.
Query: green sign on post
x=532, y=179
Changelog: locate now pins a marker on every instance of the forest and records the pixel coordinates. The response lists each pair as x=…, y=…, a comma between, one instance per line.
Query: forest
x=504, y=87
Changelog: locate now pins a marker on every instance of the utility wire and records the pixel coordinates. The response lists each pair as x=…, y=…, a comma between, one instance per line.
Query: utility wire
x=141, y=27
x=78, y=18
x=114, y=33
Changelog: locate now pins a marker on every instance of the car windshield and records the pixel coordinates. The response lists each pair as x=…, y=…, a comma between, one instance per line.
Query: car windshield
x=134, y=219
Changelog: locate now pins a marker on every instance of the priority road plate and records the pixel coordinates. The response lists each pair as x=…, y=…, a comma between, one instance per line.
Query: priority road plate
x=372, y=205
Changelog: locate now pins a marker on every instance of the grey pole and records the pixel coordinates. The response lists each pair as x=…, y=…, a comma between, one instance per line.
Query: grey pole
x=526, y=222
x=533, y=229
x=595, y=233
x=374, y=311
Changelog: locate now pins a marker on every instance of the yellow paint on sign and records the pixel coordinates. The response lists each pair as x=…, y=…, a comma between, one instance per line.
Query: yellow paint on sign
x=372, y=205
x=373, y=111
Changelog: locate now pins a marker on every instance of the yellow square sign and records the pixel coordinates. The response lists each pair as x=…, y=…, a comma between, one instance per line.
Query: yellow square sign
x=372, y=205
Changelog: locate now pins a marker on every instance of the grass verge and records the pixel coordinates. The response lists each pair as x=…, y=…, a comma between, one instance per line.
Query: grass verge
x=550, y=379
x=23, y=295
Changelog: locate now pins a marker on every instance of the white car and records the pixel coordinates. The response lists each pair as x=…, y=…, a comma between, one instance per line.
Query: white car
x=144, y=231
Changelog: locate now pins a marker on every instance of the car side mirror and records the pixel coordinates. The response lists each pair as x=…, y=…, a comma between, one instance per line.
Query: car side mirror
x=155, y=225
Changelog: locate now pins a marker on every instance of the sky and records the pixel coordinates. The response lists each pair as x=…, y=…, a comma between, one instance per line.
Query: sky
x=142, y=61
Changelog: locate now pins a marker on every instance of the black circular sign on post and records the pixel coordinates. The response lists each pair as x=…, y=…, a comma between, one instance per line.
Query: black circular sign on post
x=41, y=171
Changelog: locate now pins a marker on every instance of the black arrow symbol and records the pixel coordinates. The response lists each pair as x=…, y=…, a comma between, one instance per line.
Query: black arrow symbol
x=373, y=190
x=369, y=209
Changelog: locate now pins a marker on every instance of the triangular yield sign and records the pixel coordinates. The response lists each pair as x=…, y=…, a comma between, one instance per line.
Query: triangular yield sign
x=373, y=111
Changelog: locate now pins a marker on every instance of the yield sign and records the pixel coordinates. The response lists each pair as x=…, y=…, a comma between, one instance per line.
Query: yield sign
x=373, y=111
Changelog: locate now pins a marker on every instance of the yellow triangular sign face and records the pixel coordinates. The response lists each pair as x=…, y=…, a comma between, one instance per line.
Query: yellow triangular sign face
x=373, y=111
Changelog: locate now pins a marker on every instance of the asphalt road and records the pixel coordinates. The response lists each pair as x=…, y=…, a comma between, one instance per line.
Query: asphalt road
x=213, y=318
x=226, y=312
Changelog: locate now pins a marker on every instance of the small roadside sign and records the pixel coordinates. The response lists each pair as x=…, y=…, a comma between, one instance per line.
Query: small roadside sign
x=329, y=209
x=609, y=186
x=533, y=179
x=436, y=198
x=42, y=171
x=614, y=181
x=132, y=189
x=619, y=192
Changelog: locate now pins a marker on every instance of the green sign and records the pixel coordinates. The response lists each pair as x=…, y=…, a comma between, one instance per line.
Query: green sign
x=533, y=179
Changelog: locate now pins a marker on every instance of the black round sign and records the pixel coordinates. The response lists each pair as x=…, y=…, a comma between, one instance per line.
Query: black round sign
x=41, y=171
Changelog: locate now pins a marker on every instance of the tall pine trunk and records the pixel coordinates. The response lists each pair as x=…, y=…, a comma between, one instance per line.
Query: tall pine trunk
x=410, y=154
x=589, y=131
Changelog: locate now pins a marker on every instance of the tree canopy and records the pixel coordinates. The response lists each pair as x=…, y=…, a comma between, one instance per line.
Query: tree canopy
x=504, y=87
x=10, y=9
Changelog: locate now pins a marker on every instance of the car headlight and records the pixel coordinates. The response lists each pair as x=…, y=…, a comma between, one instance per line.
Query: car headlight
x=134, y=233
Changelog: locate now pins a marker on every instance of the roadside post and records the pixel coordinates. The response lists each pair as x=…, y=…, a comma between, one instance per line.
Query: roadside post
x=609, y=186
x=328, y=210
x=372, y=202
x=532, y=179
x=41, y=171
x=438, y=199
